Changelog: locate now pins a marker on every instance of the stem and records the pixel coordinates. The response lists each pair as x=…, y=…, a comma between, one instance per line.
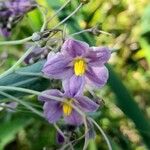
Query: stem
x=68, y=16
x=91, y=30
x=12, y=88
x=58, y=11
x=29, y=74
x=11, y=69
x=59, y=130
x=72, y=142
x=25, y=81
x=22, y=102
x=103, y=133
x=85, y=124
x=80, y=32
x=44, y=19
x=16, y=42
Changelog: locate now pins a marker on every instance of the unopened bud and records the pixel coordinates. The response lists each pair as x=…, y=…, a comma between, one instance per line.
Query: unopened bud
x=95, y=31
x=36, y=36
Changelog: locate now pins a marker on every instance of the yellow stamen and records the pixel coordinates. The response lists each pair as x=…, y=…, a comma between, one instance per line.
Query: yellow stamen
x=79, y=67
x=67, y=108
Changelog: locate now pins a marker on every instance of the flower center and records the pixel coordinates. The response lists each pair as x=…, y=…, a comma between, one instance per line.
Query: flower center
x=79, y=66
x=67, y=108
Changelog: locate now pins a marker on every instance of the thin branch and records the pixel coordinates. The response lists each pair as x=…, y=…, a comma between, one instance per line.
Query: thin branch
x=103, y=133
x=58, y=11
x=60, y=23
x=11, y=69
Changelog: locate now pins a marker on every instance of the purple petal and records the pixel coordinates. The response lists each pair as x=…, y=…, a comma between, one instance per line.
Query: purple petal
x=74, y=85
x=87, y=104
x=53, y=92
x=52, y=111
x=57, y=66
x=74, y=119
x=74, y=48
x=98, y=56
x=97, y=76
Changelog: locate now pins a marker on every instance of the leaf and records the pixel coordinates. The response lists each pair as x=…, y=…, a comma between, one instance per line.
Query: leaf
x=29, y=82
x=9, y=129
x=146, y=48
x=54, y=5
x=127, y=104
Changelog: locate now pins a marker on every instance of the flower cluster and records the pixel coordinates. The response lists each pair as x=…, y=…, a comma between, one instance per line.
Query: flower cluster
x=11, y=11
x=78, y=66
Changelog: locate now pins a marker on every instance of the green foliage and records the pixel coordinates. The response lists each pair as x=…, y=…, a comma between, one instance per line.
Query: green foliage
x=24, y=81
x=129, y=85
x=9, y=129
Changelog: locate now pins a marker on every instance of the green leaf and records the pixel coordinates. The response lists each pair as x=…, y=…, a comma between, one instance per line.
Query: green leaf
x=54, y=5
x=127, y=104
x=9, y=129
x=24, y=81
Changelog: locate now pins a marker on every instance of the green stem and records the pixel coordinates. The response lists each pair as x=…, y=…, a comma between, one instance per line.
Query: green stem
x=58, y=11
x=22, y=102
x=24, y=81
x=44, y=19
x=59, y=130
x=11, y=69
x=16, y=42
x=68, y=16
x=30, y=74
x=102, y=132
x=12, y=88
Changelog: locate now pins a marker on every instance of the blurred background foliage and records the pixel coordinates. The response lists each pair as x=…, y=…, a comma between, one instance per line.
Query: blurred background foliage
x=125, y=116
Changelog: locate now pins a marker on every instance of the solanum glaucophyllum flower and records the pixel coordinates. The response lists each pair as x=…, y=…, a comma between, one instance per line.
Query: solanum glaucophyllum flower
x=78, y=64
x=54, y=110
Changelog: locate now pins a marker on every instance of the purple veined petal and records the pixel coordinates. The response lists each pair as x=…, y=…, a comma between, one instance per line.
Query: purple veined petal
x=87, y=104
x=74, y=119
x=74, y=86
x=97, y=76
x=74, y=48
x=57, y=66
x=52, y=111
x=98, y=56
x=53, y=92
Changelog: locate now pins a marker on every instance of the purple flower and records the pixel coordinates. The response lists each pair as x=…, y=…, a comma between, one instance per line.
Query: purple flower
x=54, y=110
x=77, y=64
x=13, y=11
